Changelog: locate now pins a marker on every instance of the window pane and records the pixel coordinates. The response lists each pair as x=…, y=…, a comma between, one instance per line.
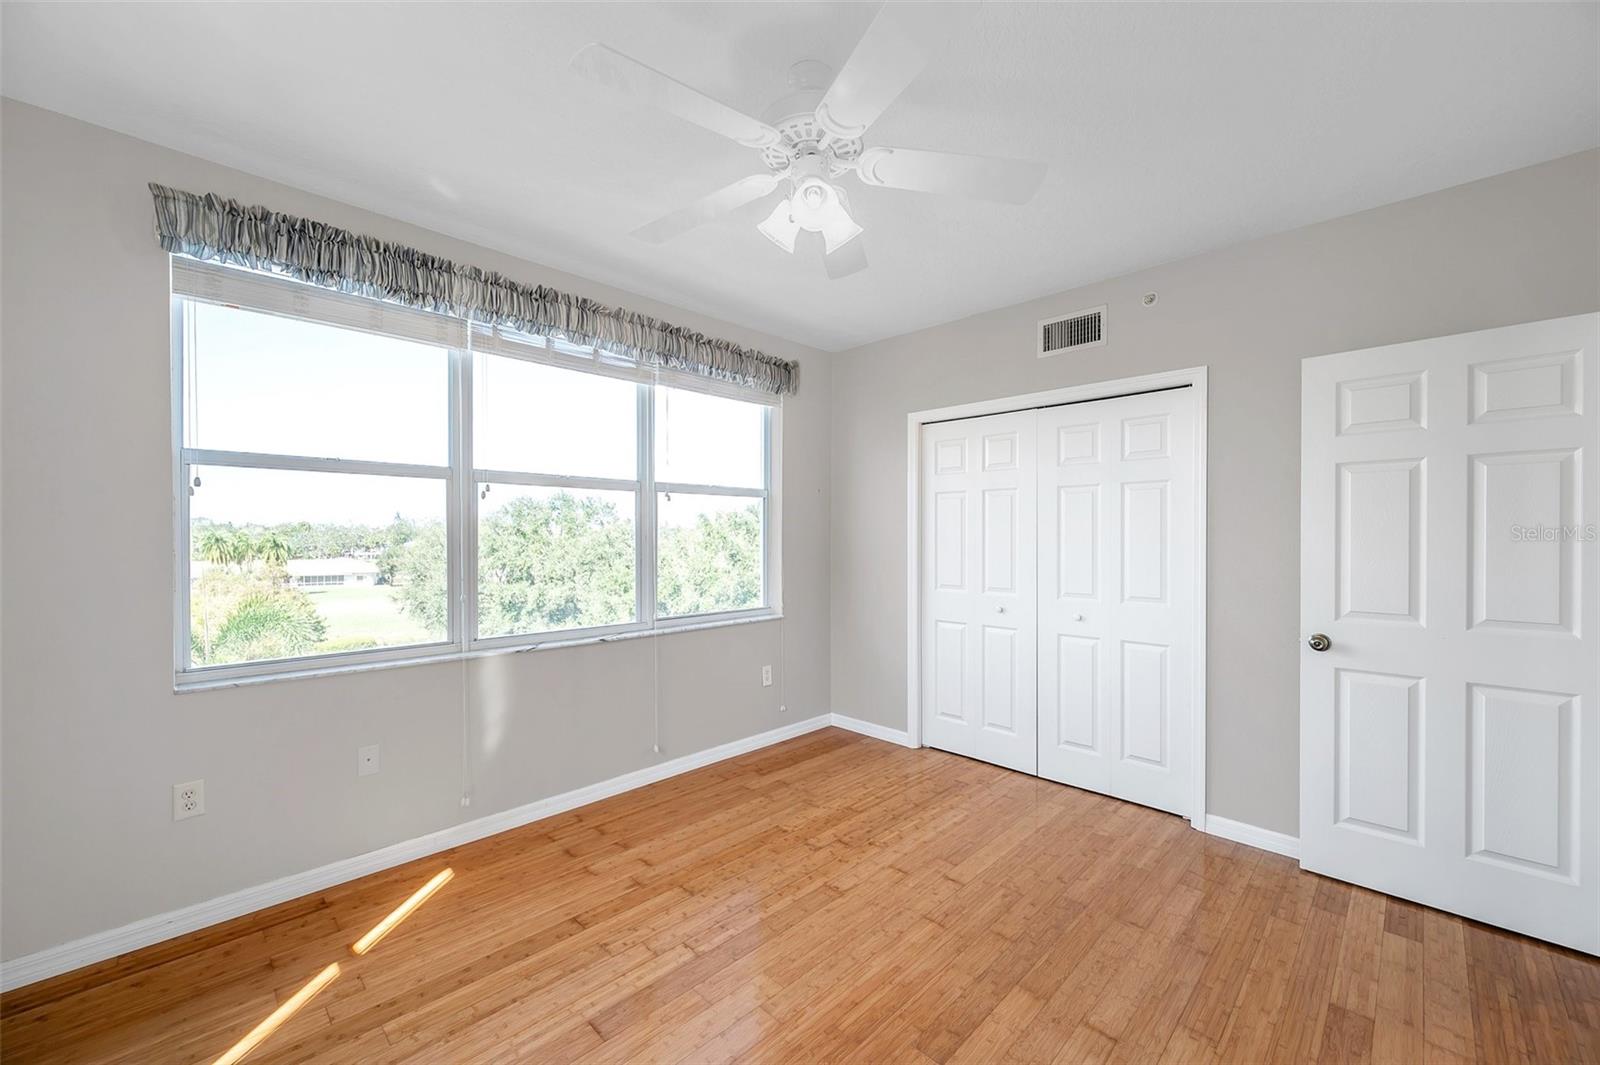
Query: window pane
x=703, y=439
x=258, y=382
x=708, y=554
x=285, y=564
x=533, y=418
x=554, y=558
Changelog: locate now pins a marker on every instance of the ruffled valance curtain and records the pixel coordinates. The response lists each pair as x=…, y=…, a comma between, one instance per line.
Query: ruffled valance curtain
x=210, y=227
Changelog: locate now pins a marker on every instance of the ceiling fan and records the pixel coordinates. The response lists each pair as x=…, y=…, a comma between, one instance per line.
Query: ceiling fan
x=812, y=138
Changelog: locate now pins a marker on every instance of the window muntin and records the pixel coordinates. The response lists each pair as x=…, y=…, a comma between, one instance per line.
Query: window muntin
x=564, y=471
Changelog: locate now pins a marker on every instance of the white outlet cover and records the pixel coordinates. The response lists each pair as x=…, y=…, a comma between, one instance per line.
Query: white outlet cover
x=766, y=676
x=188, y=800
x=367, y=760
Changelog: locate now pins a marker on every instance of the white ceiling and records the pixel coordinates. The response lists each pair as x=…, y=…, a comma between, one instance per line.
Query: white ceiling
x=1169, y=129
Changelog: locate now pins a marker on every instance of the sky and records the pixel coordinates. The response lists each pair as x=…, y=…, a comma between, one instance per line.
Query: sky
x=260, y=382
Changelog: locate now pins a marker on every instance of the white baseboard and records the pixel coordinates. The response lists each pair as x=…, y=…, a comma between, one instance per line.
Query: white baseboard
x=102, y=945
x=867, y=728
x=1252, y=836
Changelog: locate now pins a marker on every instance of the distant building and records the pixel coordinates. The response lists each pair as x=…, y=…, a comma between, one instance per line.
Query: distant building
x=311, y=572
x=332, y=572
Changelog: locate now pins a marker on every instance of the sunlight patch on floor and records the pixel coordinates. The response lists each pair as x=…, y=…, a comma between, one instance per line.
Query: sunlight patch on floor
x=278, y=1016
x=401, y=912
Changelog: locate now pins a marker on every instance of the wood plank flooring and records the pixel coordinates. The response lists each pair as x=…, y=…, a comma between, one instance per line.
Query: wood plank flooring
x=838, y=899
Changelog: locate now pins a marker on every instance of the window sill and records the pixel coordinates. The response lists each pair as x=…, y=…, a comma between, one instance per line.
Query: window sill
x=185, y=683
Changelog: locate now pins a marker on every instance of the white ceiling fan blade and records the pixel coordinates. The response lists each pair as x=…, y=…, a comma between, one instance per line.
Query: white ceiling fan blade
x=706, y=208
x=631, y=77
x=893, y=51
x=846, y=259
x=1006, y=180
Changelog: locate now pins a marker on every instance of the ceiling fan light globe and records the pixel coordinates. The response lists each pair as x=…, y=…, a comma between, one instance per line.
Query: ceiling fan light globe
x=812, y=201
x=780, y=227
x=837, y=228
x=836, y=237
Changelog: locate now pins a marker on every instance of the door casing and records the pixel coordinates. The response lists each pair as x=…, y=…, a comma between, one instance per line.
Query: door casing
x=1195, y=378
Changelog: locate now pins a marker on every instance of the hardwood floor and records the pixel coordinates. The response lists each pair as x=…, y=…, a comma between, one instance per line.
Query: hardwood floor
x=835, y=898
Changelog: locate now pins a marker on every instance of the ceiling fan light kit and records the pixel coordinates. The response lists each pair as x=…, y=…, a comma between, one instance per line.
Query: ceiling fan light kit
x=811, y=139
x=838, y=229
x=780, y=226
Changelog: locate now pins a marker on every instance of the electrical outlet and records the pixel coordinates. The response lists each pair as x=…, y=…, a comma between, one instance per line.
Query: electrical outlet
x=188, y=800
x=766, y=676
x=367, y=760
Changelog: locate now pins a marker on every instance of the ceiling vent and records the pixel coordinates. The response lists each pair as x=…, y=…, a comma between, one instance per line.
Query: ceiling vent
x=1085, y=329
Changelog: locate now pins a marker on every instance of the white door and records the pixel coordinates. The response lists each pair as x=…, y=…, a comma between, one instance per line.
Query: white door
x=1117, y=597
x=1449, y=752
x=979, y=581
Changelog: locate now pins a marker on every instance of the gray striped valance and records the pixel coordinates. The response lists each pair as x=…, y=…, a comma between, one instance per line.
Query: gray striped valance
x=210, y=227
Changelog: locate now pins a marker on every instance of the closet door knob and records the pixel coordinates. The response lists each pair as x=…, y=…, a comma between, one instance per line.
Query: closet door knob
x=1319, y=642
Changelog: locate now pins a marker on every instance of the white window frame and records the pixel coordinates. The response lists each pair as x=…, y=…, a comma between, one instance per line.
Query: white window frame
x=206, y=282
x=769, y=434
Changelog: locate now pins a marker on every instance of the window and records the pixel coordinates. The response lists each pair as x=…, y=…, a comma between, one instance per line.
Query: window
x=312, y=454
x=710, y=458
x=361, y=482
x=557, y=460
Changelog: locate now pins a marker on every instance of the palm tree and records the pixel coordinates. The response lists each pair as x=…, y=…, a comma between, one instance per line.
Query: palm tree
x=216, y=547
x=241, y=548
x=272, y=549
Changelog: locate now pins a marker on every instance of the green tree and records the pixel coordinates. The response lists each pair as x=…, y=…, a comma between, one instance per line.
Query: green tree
x=215, y=545
x=544, y=563
x=561, y=562
x=556, y=563
x=327, y=540
x=714, y=564
x=400, y=532
x=419, y=570
x=272, y=549
x=241, y=548
x=240, y=616
x=567, y=561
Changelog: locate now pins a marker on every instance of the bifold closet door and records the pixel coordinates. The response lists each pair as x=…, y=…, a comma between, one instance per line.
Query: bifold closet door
x=979, y=581
x=1117, y=596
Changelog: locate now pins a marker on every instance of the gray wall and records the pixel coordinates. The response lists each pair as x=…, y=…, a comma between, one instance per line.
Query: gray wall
x=1513, y=248
x=93, y=736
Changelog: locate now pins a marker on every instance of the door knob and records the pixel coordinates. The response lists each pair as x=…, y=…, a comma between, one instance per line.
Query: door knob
x=999, y=610
x=1077, y=617
x=1319, y=642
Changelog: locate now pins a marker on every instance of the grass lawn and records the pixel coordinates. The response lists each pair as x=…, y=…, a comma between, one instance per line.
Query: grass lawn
x=372, y=613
